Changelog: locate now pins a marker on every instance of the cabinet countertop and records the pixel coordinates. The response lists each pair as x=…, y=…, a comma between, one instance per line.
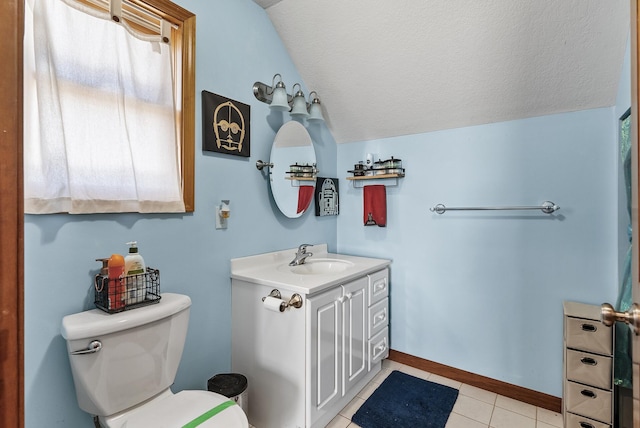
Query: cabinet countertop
x=271, y=269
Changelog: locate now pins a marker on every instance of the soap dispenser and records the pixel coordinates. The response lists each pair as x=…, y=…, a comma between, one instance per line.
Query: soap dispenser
x=135, y=269
x=104, y=270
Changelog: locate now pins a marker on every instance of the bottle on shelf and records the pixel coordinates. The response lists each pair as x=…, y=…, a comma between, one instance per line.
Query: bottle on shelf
x=116, y=289
x=135, y=268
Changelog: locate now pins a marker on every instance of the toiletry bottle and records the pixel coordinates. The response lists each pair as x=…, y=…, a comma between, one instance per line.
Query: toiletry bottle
x=101, y=282
x=134, y=265
x=104, y=270
x=116, y=289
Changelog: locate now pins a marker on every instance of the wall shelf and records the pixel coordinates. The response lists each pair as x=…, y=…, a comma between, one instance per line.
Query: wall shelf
x=301, y=178
x=373, y=177
x=368, y=180
x=298, y=181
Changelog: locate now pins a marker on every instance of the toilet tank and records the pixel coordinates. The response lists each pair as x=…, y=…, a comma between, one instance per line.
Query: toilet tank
x=139, y=356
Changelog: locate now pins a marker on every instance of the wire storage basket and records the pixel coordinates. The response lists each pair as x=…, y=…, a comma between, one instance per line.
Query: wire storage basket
x=127, y=292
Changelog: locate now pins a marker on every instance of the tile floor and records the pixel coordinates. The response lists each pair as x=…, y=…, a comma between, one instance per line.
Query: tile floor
x=475, y=408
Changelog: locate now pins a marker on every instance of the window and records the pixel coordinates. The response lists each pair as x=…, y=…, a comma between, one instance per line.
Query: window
x=109, y=108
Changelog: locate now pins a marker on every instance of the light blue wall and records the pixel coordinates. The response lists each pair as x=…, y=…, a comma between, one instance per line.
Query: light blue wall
x=236, y=46
x=483, y=291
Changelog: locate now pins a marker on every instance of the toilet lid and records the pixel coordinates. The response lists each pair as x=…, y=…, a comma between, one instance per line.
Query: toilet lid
x=201, y=409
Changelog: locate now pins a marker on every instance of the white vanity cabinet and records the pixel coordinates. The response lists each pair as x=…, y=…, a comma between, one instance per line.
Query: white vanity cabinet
x=306, y=364
x=349, y=338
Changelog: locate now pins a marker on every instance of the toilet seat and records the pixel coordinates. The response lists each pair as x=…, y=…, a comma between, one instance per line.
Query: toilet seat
x=176, y=410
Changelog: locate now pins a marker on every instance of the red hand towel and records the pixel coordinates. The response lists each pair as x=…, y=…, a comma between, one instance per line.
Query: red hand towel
x=305, y=193
x=375, y=205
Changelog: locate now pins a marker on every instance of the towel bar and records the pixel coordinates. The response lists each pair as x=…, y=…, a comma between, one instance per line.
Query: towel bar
x=547, y=207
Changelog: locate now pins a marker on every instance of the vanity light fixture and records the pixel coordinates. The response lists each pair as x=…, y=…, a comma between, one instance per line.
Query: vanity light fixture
x=299, y=103
x=315, y=111
x=279, y=96
x=278, y=99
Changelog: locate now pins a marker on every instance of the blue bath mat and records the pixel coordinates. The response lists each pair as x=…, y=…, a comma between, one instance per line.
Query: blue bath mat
x=404, y=401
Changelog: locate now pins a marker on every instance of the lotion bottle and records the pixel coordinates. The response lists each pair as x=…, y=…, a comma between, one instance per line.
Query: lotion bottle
x=134, y=265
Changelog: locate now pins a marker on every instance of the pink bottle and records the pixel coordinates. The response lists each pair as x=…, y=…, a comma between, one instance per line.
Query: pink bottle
x=116, y=288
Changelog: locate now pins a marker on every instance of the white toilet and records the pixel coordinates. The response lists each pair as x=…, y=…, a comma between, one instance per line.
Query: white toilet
x=123, y=365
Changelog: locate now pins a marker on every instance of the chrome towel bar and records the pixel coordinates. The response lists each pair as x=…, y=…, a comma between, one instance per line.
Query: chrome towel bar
x=547, y=207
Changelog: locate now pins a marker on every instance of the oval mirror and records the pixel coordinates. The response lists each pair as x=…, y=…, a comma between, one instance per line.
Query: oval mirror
x=293, y=174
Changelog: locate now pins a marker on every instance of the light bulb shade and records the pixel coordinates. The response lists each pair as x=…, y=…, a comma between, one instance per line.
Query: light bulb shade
x=315, y=112
x=299, y=106
x=279, y=102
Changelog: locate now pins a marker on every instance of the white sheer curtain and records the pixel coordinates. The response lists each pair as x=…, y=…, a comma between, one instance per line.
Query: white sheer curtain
x=100, y=132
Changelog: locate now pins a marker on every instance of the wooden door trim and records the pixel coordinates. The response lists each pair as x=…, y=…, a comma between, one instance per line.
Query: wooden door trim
x=12, y=218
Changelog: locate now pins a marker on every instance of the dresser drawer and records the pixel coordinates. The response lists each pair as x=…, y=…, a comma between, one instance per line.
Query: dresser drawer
x=379, y=347
x=378, y=317
x=577, y=421
x=588, y=401
x=378, y=286
x=588, y=335
x=592, y=369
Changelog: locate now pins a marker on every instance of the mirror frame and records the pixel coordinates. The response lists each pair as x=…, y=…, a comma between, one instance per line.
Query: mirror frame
x=292, y=190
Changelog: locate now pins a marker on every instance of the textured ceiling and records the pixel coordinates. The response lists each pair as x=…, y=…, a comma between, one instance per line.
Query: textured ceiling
x=385, y=68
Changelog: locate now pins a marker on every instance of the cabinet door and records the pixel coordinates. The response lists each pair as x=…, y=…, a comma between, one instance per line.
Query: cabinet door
x=325, y=323
x=355, y=332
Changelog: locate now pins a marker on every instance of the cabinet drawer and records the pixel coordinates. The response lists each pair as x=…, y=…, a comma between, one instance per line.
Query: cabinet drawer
x=378, y=317
x=588, y=335
x=378, y=286
x=379, y=347
x=588, y=368
x=588, y=401
x=577, y=421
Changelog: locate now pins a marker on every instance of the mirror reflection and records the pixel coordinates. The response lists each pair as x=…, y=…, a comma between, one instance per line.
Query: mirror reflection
x=293, y=174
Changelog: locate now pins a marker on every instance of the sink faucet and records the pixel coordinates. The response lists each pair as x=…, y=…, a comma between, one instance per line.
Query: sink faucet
x=301, y=255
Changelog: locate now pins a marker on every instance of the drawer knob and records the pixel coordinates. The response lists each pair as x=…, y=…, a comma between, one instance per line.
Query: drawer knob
x=589, y=327
x=586, y=425
x=632, y=317
x=588, y=361
x=588, y=393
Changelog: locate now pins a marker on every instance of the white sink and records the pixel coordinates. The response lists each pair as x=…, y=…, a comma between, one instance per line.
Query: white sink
x=320, y=271
x=320, y=266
